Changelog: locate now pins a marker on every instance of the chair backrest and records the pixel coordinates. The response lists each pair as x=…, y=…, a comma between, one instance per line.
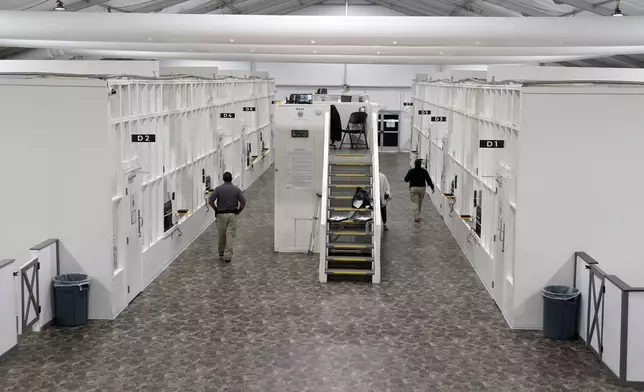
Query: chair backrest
x=358, y=118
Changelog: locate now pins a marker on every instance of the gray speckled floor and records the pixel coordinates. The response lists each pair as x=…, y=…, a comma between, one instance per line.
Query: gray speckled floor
x=264, y=323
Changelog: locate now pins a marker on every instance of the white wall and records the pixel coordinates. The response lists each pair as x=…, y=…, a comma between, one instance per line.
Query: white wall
x=635, y=362
x=80, y=67
x=578, y=187
x=532, y=73
x=53, y=168
x=8, y=334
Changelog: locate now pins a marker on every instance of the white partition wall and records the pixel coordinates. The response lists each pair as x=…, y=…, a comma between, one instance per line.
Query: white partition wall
x=126, y=169
x=527, y=177
x=299, y=157
x=8, y=333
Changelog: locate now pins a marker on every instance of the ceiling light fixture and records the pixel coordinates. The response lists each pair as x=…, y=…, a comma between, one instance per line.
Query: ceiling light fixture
x=315, y=51
x=617, y=12
x=252, y=50
x=441, y=52
x=59, y=6
x=395, y=42
x=312, y=41
x=377, y=52
x=477, y=42
x=232, y=40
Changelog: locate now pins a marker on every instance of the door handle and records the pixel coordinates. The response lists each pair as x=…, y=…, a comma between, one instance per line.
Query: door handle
x=140, y=222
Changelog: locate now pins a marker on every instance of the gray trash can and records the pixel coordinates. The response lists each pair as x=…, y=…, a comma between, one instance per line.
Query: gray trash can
x=560, y=312
x=71, y=299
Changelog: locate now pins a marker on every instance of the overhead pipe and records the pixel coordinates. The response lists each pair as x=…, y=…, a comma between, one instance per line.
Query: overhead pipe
x=300, y=30
x=330, y=50
x=334, y=59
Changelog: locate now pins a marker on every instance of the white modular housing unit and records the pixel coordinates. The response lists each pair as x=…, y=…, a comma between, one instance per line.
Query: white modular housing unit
x=530, y=174
x=116, y=169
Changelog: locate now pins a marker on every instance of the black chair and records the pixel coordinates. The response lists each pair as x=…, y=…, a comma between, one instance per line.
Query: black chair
x=357, y=126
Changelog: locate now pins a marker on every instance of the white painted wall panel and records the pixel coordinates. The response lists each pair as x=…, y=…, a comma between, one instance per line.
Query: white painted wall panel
x=582, y=168
x=57, y=167
x=8, y=334
x=612, y=326
x=635, y=361
x=379, y=75
x=311, y=75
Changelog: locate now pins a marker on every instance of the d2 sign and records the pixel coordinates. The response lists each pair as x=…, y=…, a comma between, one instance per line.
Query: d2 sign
x=492, y=144
x=144, y=138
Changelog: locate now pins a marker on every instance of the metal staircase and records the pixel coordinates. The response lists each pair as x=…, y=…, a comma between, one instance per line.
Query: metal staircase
x=350, y=237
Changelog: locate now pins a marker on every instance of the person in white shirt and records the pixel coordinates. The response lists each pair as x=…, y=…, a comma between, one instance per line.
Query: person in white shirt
x=385, y=196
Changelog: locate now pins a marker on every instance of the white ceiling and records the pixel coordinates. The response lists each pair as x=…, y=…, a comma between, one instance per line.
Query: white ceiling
x=570, y=41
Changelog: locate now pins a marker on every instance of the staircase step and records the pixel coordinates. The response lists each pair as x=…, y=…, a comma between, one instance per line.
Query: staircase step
x=348, y=233
x=350, y=259
x=349, y=246
x=349, y=186
x=348, y=272
x=359, y=175
x=349, y=164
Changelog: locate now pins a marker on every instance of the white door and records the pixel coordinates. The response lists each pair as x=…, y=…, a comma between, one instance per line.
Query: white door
x=133, y=256
x=500, y=243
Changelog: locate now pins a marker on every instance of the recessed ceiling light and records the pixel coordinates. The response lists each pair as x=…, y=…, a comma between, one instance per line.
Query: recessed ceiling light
x=477, y=42
x=441, y=52
x=395, y=42
x=150, y=39
x=377, y=52
x=232, y=40
x=252, y=50
x=312, y=41
x=315, y=51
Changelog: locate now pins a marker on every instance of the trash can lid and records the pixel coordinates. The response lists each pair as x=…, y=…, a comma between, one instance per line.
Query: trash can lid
x=71, y=280
x=560, y=292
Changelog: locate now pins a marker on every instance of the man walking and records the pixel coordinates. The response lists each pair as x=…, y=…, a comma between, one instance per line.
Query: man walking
x=227, y=201
x=417, y=178
x=385, y=196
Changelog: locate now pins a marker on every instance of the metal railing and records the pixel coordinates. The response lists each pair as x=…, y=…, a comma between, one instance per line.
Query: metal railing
x=592, y=327
x=29, y=293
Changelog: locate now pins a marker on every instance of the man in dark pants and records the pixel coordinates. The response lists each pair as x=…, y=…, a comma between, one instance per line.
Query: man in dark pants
x=227, y=201
x=417, y=178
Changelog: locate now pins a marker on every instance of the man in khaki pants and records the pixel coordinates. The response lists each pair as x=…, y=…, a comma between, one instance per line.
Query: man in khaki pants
x=227, y=201
x=417, y=178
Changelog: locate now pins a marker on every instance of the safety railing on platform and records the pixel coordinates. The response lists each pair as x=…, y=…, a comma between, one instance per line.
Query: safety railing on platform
x=324, y=199
x=29, y=283
x=611, y=319
x=377, y=227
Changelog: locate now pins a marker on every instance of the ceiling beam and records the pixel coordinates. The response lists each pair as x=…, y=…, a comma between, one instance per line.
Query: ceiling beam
x=398, y=7
x=209, y=7
x=157, y=6
x=586, y=6
x=628, y=60
x=79, y=5
x=518, y=7
x=287, y=7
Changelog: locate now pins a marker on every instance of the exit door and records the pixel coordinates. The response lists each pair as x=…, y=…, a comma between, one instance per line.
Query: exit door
x=134, y=223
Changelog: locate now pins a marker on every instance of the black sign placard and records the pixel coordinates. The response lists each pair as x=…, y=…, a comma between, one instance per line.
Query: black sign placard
x=439, y=119
x=227, y=115
x=250, y=109
x=424, y=112
x=144, y=138
x=492, y=144
x=408, y=104
x=302, y=133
